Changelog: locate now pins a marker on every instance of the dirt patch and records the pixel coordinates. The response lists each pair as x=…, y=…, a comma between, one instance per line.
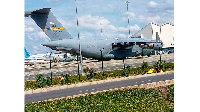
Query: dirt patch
x=164, y=92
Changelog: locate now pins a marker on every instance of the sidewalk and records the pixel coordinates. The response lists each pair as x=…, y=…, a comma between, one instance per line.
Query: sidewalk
x=91, y=83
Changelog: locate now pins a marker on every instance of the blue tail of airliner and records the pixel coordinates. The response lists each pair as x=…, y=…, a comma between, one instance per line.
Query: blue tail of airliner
x=26, y=54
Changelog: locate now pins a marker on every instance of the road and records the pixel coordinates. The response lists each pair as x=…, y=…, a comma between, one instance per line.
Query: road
x=96, y=87
x=71, y=67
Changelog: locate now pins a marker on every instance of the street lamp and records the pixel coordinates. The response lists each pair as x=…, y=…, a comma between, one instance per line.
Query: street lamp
x=128, y=19
x=50, y=67
x=142, y=55
x=124, y=63
x=79, y=43
x=142, y=46
x=78, y=68
x=160, y=55
x=102, y=60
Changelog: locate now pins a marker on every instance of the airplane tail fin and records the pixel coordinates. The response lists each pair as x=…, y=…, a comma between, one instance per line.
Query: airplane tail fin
x=45, y=19
x=26, y=54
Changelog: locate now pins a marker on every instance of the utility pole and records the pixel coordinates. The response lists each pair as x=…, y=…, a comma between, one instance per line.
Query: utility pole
x=129, y=32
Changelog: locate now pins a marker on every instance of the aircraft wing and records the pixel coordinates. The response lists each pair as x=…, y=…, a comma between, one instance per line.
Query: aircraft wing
x=126, y=49
x=123, y=49
x=63, y=49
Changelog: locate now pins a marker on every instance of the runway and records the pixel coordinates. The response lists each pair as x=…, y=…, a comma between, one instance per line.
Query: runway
x=71, y=67
x=96, y=87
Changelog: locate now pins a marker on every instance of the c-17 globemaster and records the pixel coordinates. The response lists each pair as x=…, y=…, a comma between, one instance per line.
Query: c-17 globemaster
x=61, y=40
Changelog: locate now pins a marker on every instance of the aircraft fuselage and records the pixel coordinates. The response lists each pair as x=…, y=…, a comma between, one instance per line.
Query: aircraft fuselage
x=91, y=47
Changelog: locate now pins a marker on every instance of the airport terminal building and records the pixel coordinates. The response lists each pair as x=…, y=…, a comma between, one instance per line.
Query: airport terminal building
x=165, y=32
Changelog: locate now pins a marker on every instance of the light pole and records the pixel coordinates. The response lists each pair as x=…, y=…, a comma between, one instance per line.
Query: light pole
x=78, y=68
x=79, y=42
x=142, y=55
x=160, y=55
x=50, y=68
x=124, y=63
x=102, y=60
x=128, y=19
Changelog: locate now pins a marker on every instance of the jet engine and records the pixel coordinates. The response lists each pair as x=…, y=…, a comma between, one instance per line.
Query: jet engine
x=151, y=45
x=155, y=46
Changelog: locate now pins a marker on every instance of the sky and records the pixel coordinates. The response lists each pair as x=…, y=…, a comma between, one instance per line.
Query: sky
x=110, y=15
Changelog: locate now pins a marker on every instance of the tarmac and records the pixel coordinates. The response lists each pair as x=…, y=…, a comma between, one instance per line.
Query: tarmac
x=71, y=67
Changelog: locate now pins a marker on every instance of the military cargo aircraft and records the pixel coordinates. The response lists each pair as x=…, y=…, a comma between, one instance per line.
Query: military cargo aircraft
x=111, y=48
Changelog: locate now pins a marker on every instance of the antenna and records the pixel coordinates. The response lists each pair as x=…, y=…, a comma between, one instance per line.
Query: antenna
x=128, y=19
x=79, y=42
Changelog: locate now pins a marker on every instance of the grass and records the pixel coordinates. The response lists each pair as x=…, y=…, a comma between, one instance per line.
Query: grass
x=135, y=99
x=171, y=92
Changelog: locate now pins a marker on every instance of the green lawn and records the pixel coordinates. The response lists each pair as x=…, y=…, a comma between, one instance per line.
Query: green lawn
x=134, y=99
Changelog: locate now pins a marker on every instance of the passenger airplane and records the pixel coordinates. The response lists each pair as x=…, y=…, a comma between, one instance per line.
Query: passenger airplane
x=61, y=40
x=33, y=59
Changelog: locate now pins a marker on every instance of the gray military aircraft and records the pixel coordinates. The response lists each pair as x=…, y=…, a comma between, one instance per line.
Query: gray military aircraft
x=61, y=40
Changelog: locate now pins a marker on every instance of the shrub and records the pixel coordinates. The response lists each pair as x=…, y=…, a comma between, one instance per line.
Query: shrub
x=126, y=71
x=40, y=80
x=160, y=65
x=48, y=81
x=144, y=66
x=89, y=72
x=65, y=79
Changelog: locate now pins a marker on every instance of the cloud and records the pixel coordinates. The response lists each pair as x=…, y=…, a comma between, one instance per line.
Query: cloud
x=135, y=28
x=29, y=37
x=29, y=25
x=92, y=22
x=130, y=14
x=152, y=4
x=158, y=19
x=154, y=19
x=41, y=34
x=90, y=27
x=53, y=0
x=29, y=29
x=37, y=49
x=68, y=24
x=170, y=1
